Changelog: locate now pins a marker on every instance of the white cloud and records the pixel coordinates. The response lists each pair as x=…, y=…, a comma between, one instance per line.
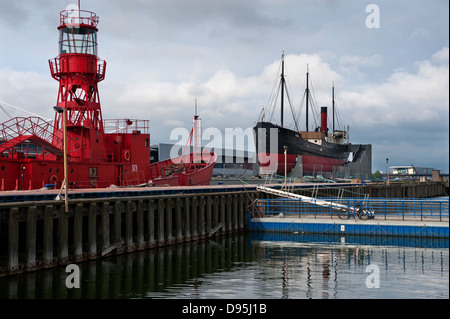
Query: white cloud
x=404, y=98
x=420, y=33
x=442, y=56
x=226, y=98
x=29, y=91
x=163, y=55
x=374, y=60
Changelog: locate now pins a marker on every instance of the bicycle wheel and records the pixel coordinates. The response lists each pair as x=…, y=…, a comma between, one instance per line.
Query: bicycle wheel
x=358, y=212
x=343, y=215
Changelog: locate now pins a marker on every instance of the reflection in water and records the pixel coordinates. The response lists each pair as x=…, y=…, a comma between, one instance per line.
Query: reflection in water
x=278, y=266
x=326, y=268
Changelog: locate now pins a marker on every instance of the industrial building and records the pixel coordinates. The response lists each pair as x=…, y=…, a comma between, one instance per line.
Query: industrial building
x=415, y=172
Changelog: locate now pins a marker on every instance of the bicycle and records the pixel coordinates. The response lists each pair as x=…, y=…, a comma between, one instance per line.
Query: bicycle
x=357, y=212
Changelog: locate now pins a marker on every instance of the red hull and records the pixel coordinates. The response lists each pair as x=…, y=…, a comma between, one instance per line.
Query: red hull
x=274, y=163
x=187, y=170
x=29, y=174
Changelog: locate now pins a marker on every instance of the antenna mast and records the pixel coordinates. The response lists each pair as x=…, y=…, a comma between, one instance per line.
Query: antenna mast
x=197, y=132
x=282, y=87
x=307, y=95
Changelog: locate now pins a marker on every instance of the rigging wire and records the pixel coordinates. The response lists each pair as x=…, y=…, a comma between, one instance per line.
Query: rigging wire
x=291, y=105
x=337, y=117
x=300, y=108
x=274, y=102
x=272, y=99
x=314, y=106
x=3, y=109
x=20, y=109
x=292, y=110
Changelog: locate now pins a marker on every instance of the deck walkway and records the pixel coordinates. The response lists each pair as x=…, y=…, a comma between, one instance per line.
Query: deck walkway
x=325, y=225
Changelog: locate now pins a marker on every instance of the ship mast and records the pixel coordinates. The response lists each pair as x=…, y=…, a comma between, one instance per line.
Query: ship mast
x=282, y=87
x=197, y=131
x=307, y=95
x=197, y=137
x=332, y=93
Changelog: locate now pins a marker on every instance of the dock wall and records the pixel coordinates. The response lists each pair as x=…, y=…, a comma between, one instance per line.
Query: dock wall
x=406, y=190
x=37, y=234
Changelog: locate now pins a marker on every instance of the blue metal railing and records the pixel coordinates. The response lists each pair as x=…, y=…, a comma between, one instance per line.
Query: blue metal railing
x=385, y=208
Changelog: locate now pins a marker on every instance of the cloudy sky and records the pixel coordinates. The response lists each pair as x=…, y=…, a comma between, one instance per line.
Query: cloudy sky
x=391, y=81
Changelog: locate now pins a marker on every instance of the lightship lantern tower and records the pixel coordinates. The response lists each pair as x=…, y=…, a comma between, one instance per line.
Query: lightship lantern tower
x=81, y=149
x=79, y=70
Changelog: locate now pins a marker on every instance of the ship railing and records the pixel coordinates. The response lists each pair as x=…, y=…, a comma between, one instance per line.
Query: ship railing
x=20, y=126
x=126, y=126
x=101, y=69
x=54, y=67
x=383, y=209
x=57, y=67
x=134, y=178
x=76, y=17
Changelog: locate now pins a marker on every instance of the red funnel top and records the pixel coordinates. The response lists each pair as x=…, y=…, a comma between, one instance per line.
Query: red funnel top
x=323, y=119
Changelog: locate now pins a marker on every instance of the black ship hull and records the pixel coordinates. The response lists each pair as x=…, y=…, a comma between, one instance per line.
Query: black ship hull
x=318, y=155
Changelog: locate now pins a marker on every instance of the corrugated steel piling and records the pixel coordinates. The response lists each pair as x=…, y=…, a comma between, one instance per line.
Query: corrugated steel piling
x=208, y=216
x=63, y=233
x=178, y=221
x=48, y=236
x=31, y=239
x=160, y=223
x=201, y=218
x=187, y=220
x=92, y=231
x=194, y=220
x=77, y=232
x=151, y=224
x=13, y=240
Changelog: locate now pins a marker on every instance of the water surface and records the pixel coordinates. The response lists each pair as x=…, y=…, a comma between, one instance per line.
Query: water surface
x=256, y=266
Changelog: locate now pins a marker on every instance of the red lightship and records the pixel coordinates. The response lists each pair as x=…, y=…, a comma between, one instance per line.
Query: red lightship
x=94, y=152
